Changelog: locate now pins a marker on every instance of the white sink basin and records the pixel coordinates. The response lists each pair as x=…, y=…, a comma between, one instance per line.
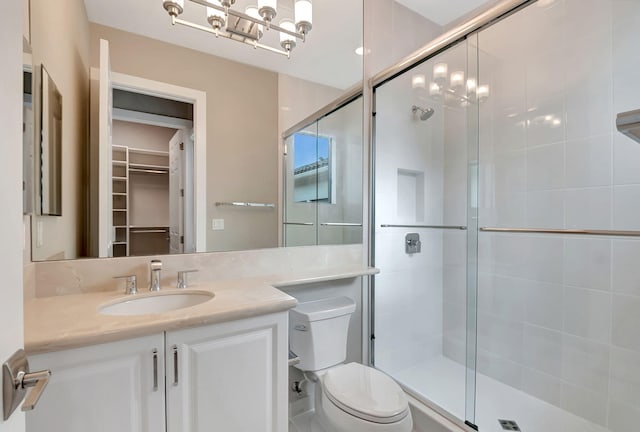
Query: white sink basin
x=153, y=303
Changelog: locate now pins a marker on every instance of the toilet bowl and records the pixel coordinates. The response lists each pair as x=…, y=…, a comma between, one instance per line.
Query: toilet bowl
x=348, y=397
x=356, y=398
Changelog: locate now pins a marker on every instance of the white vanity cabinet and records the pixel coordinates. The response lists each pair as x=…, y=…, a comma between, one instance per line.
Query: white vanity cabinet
x=229, y=377
x=102, y=388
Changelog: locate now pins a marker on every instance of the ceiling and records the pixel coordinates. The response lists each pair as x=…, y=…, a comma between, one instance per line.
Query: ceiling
x=337, y=32
x=443, y=12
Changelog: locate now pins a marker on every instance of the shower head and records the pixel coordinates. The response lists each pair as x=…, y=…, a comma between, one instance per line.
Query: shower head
x=425, y=114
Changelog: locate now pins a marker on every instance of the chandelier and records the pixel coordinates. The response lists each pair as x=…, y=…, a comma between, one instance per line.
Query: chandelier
x=453, y=87
x=248, y=27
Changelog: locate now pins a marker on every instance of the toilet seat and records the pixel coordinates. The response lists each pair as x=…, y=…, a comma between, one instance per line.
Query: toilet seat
x=365, y=393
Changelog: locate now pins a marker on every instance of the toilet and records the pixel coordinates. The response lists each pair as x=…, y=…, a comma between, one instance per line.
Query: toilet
x=348, y=397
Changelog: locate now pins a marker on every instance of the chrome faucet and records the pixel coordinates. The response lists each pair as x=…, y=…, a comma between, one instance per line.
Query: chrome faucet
x=154, y=281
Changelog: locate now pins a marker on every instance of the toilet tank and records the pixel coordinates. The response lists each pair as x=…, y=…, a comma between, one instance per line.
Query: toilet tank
x=318, y=332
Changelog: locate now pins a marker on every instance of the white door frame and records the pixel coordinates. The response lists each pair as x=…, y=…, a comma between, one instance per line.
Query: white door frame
x=199, y=101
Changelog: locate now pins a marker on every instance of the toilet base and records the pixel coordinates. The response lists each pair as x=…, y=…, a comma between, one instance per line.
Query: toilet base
x=306, y=422
x=333, y=419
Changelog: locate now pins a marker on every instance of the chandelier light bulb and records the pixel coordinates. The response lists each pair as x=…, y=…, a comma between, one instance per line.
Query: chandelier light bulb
x=440, y=71
x=173, y=7
x=216, y=18
x=457, y=79
x=252, y=11
x=268, y=9
x=418, y=81
x=434, y=89
x=471, y=85
x=304, y=16
x=287, y=41
x=483, y=92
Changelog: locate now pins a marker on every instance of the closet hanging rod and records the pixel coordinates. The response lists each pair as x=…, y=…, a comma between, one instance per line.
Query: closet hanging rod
x=340, y=224
x=444, y=227
x=147, y=171
x=148, y=231
x=299, y=223
x=612, y=233
x=245, y=204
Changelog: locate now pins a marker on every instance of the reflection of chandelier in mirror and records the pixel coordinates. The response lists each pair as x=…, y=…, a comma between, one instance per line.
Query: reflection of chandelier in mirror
x=248, y=27
x=452, y=86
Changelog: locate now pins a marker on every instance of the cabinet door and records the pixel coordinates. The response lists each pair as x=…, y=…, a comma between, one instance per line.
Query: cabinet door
x=229, y=377
x=102, y=388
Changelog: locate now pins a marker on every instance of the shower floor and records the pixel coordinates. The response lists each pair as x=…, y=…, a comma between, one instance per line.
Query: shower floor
x=442, y=381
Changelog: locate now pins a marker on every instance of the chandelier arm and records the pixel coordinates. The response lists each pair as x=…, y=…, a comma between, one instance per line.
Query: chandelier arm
x=226, y=35
x=248, y=18
x=461, y=97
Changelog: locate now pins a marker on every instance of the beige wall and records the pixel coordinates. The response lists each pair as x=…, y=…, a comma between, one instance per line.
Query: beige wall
x=141, y=136
x=242, y=129
x=60, y=42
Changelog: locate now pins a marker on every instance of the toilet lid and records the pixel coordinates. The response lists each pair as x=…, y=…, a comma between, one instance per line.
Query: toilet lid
x=365, y=393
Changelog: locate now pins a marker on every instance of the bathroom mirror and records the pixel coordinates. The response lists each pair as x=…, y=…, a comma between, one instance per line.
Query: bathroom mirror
x=252, y=97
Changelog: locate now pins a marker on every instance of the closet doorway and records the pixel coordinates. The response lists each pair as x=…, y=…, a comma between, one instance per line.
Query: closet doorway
x=152, y=175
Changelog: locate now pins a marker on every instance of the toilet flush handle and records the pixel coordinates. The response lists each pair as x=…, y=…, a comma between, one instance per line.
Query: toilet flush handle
x=300, y=327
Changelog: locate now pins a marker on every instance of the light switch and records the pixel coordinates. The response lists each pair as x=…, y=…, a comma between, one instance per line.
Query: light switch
x=217, y=224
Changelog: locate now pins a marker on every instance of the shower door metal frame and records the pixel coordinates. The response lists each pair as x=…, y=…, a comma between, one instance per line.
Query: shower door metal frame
x=454, y=36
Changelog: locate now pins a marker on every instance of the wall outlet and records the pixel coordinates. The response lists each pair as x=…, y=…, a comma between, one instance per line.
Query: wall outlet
x=217, y=224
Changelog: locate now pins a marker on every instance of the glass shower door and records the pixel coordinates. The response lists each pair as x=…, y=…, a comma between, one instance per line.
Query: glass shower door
x=301, y=188
x=425, y=234
x=340, y=177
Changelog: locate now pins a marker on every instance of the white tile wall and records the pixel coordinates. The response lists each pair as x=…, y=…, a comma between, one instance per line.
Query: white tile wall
x=559, y=315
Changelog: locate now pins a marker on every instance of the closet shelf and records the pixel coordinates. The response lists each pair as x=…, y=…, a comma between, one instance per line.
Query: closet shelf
x=148, y=152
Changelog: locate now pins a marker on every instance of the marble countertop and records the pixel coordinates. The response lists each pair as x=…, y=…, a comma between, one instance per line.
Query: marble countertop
x=70, y=321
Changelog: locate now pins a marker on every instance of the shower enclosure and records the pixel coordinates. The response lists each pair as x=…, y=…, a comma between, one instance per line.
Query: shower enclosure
x=506, y=220
x=323, y=176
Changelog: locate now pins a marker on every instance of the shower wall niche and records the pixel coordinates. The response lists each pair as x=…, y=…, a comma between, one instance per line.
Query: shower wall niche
x=410, y=196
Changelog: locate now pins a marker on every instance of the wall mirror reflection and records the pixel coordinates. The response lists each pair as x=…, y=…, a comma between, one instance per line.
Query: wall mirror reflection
x=323, y=177
x=172, y=138
x=28, y=131
x=49, y=190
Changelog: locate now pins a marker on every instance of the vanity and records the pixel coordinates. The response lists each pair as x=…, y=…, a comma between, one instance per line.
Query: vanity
x=221, y=364
x=240, y=187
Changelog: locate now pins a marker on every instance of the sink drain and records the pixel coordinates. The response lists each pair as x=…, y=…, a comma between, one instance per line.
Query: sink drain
x=509, y=425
